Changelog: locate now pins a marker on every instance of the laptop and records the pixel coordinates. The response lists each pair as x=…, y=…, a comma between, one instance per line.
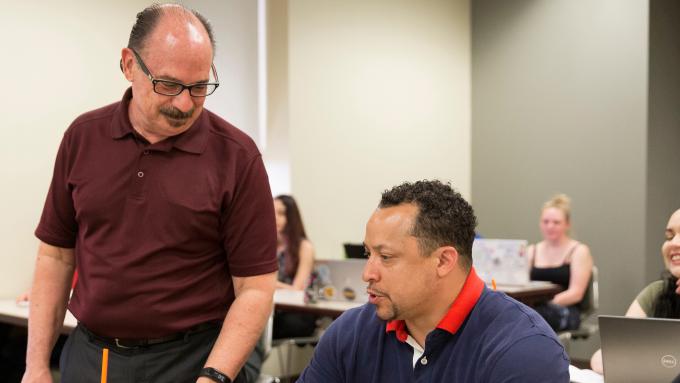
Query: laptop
x=503, y=260
x=340, y=280
x=355, y=250
x=640, y=349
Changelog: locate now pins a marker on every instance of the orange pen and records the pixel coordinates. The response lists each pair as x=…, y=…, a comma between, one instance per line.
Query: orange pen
x=493, y=284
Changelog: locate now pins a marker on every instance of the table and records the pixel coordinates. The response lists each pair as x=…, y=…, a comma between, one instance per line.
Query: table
x=290, y=301
x=331, y=309
x=12, y=313
x=533, y=293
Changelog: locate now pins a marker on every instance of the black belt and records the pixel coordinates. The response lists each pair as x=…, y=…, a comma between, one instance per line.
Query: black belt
x=139, y=343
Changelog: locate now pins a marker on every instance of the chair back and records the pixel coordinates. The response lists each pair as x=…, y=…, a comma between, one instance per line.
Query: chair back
x=268, y=335
x=591, y=299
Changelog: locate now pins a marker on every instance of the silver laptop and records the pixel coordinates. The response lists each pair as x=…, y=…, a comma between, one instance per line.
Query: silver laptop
x=503, y=260
x=641, y=350
x=340, y=280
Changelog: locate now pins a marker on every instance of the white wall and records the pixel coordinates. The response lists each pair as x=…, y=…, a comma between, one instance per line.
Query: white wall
x=277, y=152
x=60, y=60
x=379, y=93
x=235, y=28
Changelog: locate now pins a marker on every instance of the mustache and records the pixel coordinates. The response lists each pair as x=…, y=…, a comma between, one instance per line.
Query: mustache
x=175, y=113
x=377, y=292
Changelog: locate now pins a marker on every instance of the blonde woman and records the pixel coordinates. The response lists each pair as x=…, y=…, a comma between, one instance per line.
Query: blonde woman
x=562, y=260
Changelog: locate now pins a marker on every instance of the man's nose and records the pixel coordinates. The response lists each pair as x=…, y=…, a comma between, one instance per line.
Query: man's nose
x=370, y=272
x=183, y=101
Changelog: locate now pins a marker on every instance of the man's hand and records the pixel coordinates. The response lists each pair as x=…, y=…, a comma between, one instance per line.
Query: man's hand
x=244, y=322
x=24, y=297
x=49, y=297
x=38, y=375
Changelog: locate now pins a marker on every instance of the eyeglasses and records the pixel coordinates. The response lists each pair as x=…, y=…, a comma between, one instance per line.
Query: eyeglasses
x=173, y=88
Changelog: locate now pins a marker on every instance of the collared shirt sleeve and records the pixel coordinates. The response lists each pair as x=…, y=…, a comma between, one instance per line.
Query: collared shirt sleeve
x=534, y=359
x=58, y=226
x=324, y=366
x=248, y=225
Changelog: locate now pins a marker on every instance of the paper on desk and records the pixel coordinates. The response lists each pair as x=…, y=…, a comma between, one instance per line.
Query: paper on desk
x=295, y=297
x=576, y=375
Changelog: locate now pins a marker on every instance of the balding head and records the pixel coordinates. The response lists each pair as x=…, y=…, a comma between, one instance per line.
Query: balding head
x=185, y=24
x=170, y=44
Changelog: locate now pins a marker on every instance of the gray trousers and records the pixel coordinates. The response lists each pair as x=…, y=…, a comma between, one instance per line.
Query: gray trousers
x=83, y=359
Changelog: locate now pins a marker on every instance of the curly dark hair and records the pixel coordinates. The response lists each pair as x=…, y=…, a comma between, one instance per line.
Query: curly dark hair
x=667, y=304
x=148, y=18
x=444, y=218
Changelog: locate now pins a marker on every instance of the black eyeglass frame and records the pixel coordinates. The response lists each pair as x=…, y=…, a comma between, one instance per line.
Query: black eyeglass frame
x=189, y=87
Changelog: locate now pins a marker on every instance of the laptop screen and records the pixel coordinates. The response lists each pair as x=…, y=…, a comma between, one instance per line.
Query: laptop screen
x=340, y=280
x=640, y=349
x=504, y=260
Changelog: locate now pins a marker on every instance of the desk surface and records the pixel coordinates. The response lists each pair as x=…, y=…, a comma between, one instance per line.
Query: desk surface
x=12, y=313
x=530, y=294
x=533, y=293
x=15, y=314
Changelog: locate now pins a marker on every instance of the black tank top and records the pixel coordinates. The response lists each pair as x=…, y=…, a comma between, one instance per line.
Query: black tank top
x=559, y=275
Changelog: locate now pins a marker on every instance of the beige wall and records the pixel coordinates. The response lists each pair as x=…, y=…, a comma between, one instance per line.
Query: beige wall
x=277, y=151
x=235, y=27
x=379, y=93
x=59, y=62
x=663, y=142
x=560, y=105
x=62, y=60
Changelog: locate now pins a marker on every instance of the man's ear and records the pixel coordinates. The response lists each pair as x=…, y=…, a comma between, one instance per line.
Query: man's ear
x=127, y=62
x=448, y=260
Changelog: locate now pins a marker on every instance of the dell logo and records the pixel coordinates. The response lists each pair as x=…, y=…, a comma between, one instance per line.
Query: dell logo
x=668, y=361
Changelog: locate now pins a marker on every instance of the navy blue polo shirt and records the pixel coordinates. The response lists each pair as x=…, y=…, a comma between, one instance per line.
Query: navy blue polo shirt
x=485, y=337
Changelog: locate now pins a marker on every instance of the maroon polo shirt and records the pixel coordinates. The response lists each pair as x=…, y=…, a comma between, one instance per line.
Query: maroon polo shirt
x=158, y=230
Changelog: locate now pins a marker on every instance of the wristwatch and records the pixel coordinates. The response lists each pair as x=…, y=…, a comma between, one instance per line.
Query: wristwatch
x=215, y=375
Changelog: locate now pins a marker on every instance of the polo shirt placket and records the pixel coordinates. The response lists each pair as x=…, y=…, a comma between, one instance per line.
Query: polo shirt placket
x=140, y=177
x=445, y=330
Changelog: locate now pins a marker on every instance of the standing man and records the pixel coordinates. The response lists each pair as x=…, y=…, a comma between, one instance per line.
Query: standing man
x=429, y=317
x=165, y=211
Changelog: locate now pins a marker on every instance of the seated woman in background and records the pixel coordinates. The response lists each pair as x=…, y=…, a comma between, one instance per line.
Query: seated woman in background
x=296, y=261
x=561, y=260
x=660, y=299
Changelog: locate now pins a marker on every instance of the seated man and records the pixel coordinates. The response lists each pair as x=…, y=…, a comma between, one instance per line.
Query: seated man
x=429, y=317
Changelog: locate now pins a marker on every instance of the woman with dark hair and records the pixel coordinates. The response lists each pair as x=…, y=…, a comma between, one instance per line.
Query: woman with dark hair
x=660, y=299
x=296, y=261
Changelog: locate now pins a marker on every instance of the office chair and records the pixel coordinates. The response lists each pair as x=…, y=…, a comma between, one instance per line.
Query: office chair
x=589, y=305
x=285, y=368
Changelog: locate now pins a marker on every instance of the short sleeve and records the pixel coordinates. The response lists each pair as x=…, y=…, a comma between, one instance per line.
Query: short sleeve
x=324, y=364
x=58, y=225
x=248, y=224
x=648, y=296
x=534, y=359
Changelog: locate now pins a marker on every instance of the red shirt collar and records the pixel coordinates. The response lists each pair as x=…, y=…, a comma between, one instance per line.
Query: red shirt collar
x=460, y=309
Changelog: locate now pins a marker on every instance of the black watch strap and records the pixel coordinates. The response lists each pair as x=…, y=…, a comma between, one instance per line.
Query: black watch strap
x=215, y=375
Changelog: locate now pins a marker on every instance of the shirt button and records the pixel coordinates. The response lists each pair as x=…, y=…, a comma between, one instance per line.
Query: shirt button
x=140, y=174
x=423, y=361
x=146, y=152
